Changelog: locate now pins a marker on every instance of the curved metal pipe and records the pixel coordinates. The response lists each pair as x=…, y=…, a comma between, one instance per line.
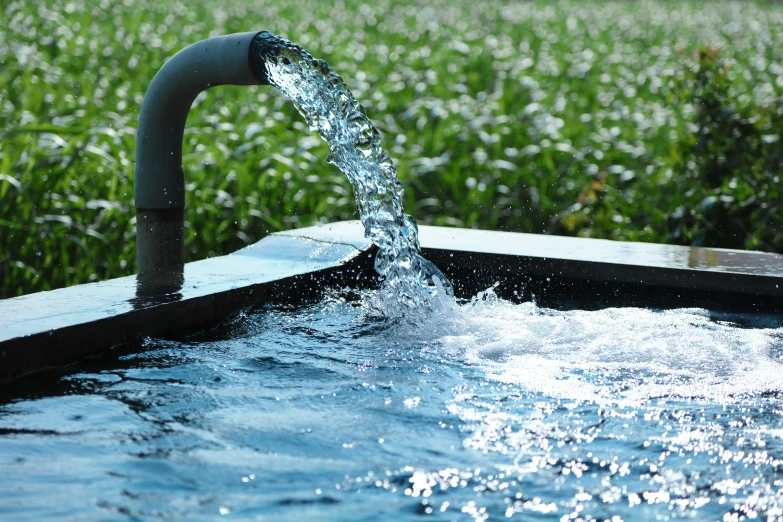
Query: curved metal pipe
x=159, y=182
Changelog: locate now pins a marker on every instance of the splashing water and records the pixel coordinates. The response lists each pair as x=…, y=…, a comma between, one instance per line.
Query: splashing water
x=328, y=106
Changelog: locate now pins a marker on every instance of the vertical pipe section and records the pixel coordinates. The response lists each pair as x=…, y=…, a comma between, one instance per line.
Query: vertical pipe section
x=159, y=182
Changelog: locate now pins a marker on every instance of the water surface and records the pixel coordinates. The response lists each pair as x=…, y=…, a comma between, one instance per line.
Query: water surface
x=329, y=411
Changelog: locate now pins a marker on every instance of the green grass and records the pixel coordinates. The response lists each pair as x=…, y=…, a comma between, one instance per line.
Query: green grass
x=641, y=121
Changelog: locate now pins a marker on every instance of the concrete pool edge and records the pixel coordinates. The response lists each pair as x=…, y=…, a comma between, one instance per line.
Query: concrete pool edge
x=62, y=326
x=527, y=265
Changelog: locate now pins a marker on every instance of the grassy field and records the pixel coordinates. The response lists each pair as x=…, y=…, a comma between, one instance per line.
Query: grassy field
x=642, y=121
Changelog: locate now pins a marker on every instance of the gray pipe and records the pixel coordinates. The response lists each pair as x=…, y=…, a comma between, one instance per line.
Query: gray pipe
x=160, y=180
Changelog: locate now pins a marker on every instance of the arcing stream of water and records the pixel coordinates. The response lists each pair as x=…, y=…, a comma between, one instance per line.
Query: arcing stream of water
x=328, y=106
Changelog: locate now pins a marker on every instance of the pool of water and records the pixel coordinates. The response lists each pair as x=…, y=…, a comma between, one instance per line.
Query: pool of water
x=328, y=411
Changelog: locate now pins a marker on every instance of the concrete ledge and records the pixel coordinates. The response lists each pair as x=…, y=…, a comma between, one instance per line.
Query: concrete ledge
x=592, y=272
x=53, y=328
x=601, y=273
x=62, y=326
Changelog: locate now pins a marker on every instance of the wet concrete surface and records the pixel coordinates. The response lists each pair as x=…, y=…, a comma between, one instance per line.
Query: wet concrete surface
x=59, y=326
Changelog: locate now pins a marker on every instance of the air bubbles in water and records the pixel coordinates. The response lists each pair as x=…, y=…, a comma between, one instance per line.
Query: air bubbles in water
x=323, y=98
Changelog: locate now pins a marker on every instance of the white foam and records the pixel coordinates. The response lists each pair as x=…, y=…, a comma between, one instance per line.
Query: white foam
x=611, y=355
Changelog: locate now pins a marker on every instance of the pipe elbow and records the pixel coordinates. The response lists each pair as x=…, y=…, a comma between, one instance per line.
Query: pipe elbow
x=159, y=181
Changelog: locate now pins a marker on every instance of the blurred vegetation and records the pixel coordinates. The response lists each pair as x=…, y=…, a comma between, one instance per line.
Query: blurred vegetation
x=641, y=121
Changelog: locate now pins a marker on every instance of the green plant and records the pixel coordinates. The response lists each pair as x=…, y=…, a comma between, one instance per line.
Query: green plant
x=730, y=165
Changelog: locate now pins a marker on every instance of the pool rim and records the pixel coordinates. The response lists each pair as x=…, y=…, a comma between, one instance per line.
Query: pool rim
x=63, y=326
